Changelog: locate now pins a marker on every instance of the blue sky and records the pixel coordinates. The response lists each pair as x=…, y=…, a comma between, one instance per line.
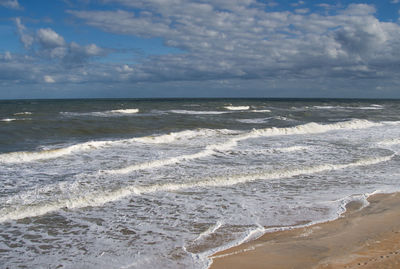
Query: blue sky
x=199, y=48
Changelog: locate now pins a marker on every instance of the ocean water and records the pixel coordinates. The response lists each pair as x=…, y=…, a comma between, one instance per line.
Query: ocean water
x=165, y=183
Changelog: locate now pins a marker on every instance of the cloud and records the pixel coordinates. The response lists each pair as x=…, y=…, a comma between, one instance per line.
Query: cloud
x=47, y=43
x=395, y=1
x=13, y=4
x=48, y=79
x=242, y=40
x=238, y=42
x=25, y=38
x=50, y=39
x=7, y=56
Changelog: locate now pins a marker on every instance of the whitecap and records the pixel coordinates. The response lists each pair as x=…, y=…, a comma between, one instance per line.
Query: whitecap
x=8, y=119
x=22, y=113
x=237, y=107
x=125, y=111
x=195, y=112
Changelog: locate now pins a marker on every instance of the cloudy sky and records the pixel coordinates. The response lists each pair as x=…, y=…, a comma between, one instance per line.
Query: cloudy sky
x=199, y=48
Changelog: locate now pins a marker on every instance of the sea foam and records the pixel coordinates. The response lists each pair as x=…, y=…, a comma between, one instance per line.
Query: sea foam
x=100, y=198
x=237, y=107
x=195, y=112
x=125, y=111
x=31, y=156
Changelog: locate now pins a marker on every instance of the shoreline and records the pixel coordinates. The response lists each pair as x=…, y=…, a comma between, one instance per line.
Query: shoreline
x=363, y=237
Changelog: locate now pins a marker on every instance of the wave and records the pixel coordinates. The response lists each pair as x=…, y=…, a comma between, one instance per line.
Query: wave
x=371, y=107
x=124, y=111
x=310, y=128
x=260, y=110
x=8, y=119
x=208, y=151
x=263, y=120
x=212, y=229
x=254, y=121
x=96, y=199
x=390, y=142
x=270, y=150
x=237, y=107
x=186, y=134
x=30, y=156
x=108, y=113
x=195, y=112
x=22, y=113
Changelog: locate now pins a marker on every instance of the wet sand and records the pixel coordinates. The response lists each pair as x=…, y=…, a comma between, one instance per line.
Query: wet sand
x=366, y=238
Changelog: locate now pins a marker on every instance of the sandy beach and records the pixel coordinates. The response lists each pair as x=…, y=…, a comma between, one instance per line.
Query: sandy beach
x=361, y=238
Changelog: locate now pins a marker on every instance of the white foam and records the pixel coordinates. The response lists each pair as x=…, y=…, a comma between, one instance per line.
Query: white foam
x=8, y=119
x=186, y=134
x=209, y=150
x=99, y=198
x=327, y=107
x=311, y=128
x=125, y=111
x=253, y=121
x=261, y=110
x=30, y=156
x=108, y=113
x=369, y=108
x=195, y=112
x=237, y=107
x=372, y=107
x=22, y=113
x=289, y=149
x=389, y=142
x=27, y=156
x=212, y=229
x=251, y=235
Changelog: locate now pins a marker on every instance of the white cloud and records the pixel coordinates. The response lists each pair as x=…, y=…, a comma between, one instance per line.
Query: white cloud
x=7, y=56
x=47, y=43
x=395, y=1
x=50, y=39
x=227, y=41
x=48, y=79
x=302, y=10
x=13, y=4
x=24, y=37
x=251, y=42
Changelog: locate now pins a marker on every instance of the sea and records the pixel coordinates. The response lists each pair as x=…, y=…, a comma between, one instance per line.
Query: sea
x=165, y=183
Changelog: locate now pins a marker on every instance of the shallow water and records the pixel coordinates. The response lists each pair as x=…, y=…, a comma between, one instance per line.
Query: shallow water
x=165, y=183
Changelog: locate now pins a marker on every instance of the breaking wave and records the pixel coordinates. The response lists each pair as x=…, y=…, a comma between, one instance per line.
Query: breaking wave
x=208, y=151
x=187, y=134
x=195, y=112
x=100, y=198
x=125, y=111
x=8, y=119
x=109, y=113
x=389, y=142
x=309, y=128
x=237, y=107
x=261, y=110
x=30, y=156
x=22, y=113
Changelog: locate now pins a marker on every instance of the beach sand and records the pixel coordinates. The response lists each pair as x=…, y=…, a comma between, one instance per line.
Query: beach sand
x=366, y=238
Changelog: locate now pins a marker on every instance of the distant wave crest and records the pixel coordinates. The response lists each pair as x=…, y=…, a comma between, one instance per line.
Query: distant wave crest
x=237, y=107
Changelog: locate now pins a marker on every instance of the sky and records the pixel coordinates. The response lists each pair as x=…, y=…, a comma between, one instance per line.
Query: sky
x=199, y=48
